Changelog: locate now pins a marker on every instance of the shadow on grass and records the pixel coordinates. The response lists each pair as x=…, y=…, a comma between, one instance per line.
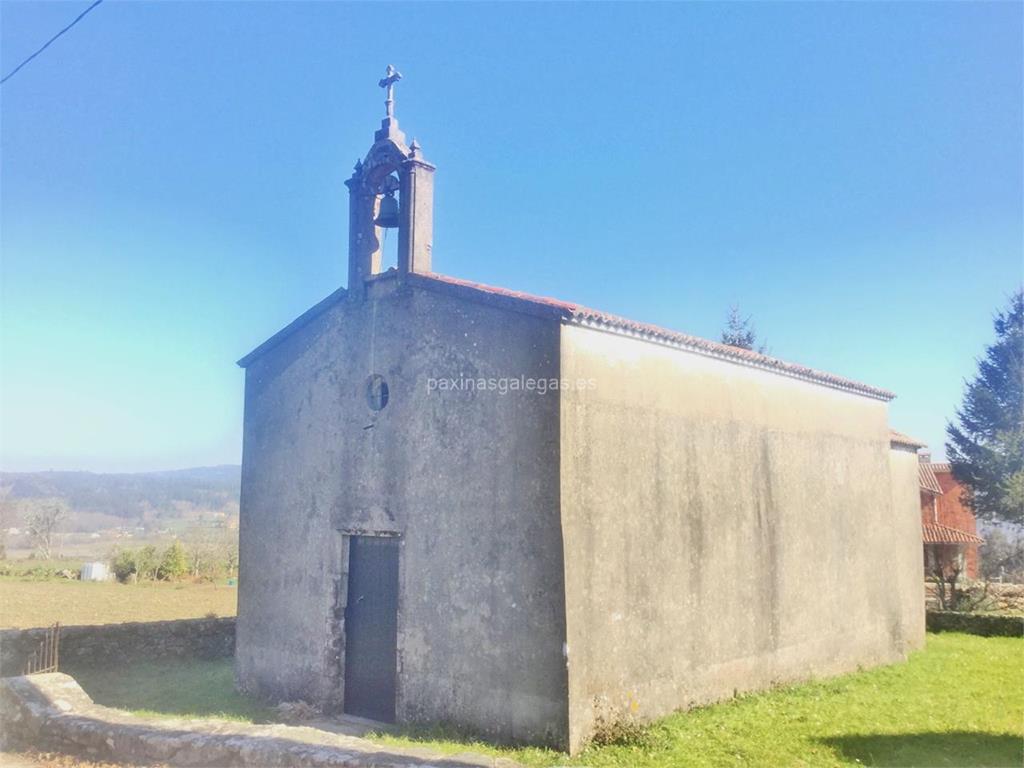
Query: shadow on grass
x=171, y=688
x=954, y=748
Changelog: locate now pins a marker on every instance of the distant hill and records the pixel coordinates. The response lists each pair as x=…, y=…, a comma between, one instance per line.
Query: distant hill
x=135, y=496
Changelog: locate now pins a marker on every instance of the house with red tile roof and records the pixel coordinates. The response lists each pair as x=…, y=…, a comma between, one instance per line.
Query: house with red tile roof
x=949, y=530
x=948, y=527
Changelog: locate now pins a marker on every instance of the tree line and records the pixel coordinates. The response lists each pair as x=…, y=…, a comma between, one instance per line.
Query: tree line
x=206, y=553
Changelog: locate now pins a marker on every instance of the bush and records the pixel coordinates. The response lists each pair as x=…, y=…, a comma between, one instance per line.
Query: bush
x=174, y=563
x=135, y=564
x=986, y=625
x=39, y=573
x=124, y=566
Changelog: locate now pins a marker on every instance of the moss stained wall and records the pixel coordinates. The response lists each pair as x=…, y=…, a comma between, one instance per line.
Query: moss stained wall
x=468, y=480
x=724, y=528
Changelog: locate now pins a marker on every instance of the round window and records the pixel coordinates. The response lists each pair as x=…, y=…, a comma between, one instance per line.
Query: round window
x=376, y=392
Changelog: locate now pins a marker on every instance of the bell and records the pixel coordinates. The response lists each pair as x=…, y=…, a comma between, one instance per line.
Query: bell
x=387, y=214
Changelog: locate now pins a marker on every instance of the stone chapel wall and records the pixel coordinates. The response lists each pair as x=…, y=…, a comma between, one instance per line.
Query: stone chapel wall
x=725, y=529
x=466, y=477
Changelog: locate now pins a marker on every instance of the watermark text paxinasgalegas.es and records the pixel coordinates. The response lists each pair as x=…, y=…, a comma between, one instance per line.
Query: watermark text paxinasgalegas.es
x=503, y=385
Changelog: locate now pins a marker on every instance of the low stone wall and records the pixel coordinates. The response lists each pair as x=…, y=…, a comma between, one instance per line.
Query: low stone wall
x=51, y=711
x=1000, y=597
x=985, y=624
x=114, y=643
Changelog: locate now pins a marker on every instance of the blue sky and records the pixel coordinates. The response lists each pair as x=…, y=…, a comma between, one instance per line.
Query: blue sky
x=172, y=189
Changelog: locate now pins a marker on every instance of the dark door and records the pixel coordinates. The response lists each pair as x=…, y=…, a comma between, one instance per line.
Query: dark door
x=371, y=627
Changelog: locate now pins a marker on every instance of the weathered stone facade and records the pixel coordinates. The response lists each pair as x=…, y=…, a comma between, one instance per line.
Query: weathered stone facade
x=714, y=518
x=468, y=483
x=663, y=522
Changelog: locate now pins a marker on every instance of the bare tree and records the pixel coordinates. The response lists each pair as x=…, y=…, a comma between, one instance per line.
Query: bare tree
x=42, y=522
x=198, y=549
x=212, y=550
x=201, y=546
x=945, y=570
x=1002, y=554
x=6, y=516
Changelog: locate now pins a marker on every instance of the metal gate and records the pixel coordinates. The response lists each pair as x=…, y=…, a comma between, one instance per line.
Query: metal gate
x=371, y=627
x=46, y=658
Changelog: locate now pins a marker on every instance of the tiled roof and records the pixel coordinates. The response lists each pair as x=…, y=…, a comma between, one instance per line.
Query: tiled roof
x=927, y=478
x=933, y=533
x=943, y=467
x=592, y=318
x=898, y=438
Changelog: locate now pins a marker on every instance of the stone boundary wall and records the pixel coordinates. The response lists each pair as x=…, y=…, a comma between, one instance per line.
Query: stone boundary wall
x=984, y=624
x=1001, y=597
x=51, y=711
x=113, y=643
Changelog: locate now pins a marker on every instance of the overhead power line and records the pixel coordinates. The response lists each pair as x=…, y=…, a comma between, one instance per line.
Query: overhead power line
x=46, y=45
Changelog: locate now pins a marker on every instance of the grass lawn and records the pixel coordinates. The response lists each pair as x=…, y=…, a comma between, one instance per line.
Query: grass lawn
x=958, y=703
x=39, y=603
x=190, y=689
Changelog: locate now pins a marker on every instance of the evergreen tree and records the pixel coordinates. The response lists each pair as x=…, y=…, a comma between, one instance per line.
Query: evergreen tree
x=739, y=331
x=986, y=447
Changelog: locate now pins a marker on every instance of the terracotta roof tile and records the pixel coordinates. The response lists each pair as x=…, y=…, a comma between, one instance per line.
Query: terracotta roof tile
x=898, y=438
x=934, y=533
x=927, y=479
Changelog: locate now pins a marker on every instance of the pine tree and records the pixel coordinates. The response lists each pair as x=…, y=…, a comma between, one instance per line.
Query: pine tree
x=739, y=331
x=986, y=447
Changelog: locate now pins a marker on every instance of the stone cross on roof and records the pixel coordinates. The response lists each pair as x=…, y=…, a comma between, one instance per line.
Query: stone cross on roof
x=391, y=76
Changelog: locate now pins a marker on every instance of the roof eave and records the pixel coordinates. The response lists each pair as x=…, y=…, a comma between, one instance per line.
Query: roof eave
x=746, y=358
x=302, y=320
x=582, y=316
x=904, y=441
x=514, y=301
x=952, y=535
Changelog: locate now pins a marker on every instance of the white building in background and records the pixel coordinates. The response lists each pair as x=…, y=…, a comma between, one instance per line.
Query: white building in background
x=94, y=572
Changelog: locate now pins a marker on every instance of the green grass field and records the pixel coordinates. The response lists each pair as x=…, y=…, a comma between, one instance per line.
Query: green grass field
x=958, y=703
x=25, y=603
